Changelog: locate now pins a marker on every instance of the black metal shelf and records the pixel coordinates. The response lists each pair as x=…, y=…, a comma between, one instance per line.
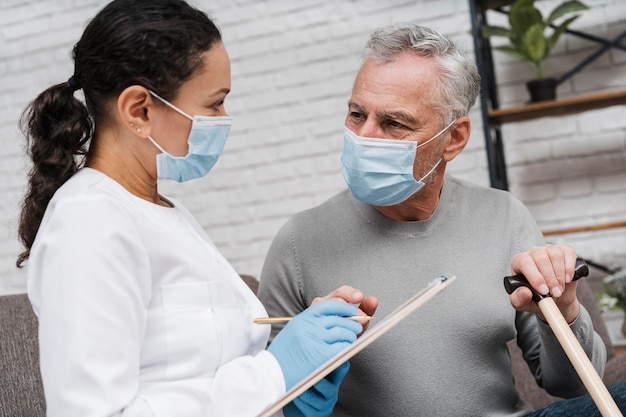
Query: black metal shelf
x=493, y=116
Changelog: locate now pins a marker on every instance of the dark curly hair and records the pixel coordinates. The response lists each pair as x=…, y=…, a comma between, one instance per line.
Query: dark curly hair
x=158, y=44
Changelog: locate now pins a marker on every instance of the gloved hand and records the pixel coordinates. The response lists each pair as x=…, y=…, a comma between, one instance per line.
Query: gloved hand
x=320, y=399
x=313, y=337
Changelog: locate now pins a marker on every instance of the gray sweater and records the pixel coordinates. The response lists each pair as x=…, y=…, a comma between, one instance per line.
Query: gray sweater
x=449, y=358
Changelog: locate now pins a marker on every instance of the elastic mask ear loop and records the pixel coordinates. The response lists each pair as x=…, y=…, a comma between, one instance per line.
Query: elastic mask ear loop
x=440, y=159
x=431, y=171
x=437, y=135
x=170, y=105
x=156, y=144
x=173, y=107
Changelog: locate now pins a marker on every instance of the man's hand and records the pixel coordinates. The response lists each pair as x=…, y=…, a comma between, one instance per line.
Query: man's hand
x=548, y=269
x=367, y=305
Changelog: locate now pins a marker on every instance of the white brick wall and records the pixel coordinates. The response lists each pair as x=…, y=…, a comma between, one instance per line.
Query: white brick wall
x=293, y=65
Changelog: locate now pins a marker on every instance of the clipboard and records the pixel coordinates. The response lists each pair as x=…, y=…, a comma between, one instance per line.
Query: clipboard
x=386, y=324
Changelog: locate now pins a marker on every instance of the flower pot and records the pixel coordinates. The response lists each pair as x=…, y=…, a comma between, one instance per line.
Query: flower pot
x=542, y=90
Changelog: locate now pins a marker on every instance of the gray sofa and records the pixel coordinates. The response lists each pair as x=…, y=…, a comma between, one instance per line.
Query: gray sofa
x=21, y=393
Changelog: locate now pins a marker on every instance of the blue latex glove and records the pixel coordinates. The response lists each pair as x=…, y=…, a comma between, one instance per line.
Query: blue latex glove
x=320, y=399
x=313, y=337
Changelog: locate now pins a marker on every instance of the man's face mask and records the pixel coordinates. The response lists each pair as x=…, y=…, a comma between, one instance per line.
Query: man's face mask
x=206, y=141
x=380, y=171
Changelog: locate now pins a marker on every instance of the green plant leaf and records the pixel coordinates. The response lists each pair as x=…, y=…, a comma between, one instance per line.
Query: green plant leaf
x=515, y=52
x=520, y=4
x=534, y=43
x=527, y=32
x=615, y=290
x=558, y=32
x=523, y=18
x=565, y=8
x=488, y=31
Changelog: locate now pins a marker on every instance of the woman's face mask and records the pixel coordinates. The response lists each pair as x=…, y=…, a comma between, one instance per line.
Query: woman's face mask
x=206, y=141
x=380, y=171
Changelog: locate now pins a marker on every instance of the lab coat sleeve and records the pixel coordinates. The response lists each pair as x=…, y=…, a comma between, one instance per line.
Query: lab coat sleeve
x=236, y=390
x=90, y=285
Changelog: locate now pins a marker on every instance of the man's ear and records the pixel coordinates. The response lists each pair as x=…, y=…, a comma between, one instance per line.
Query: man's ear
x=134, y=106
x=459, y=136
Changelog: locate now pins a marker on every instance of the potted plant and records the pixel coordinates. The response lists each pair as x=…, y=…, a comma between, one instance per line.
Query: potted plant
x=614, y=295
x=531, y=42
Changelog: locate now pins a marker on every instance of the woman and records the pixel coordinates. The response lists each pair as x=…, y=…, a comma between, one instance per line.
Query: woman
x=139, y=314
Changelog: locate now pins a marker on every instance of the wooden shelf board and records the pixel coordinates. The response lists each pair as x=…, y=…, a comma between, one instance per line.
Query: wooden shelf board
x=580, y=229
x=559, y=107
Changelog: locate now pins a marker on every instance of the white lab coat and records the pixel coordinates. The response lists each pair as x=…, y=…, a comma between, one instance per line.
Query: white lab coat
x=139, y=314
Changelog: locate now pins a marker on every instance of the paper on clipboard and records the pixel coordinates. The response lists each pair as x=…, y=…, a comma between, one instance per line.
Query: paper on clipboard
x=393, y=318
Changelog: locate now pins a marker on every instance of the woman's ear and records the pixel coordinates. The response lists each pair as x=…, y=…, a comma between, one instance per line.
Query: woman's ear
x=459, y=136
x=134, y=106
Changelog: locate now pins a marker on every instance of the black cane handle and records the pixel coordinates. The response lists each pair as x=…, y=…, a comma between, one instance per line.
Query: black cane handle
x=511, y=283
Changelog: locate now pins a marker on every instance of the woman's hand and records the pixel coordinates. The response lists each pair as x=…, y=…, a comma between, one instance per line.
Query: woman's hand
x=367, y=305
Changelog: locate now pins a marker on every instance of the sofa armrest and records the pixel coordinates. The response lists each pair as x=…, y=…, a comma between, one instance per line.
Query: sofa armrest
x=615, y=370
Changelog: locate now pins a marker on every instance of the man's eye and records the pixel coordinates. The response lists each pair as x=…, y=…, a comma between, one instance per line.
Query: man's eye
x=394, y=124
x=357, y=115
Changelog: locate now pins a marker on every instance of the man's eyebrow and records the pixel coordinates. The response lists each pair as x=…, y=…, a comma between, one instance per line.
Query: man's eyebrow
x=353, y=106
x=397, y=116
x=407, y=118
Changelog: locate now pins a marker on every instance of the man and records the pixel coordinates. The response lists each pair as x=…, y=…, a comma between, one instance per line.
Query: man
x=404, y=222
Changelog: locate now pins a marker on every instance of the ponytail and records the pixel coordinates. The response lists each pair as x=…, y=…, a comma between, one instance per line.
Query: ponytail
x=57, y=128
x=122, y=45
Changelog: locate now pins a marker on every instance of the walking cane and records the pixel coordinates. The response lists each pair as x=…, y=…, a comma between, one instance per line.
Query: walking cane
x=568, y=341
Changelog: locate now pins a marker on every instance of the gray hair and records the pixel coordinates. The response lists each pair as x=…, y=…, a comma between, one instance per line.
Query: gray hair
x=460, y=81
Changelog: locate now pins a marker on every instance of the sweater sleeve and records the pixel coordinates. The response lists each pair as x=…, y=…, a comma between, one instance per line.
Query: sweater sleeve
x=542, y=351
x=90, y=285
x=280, y=288
x=548, y=361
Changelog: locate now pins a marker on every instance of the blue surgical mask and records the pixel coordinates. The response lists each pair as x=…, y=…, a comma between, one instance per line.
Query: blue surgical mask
x=206, y=141
x=380, y=171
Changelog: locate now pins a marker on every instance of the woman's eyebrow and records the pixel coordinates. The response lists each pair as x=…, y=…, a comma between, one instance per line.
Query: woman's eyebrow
x=221, y=91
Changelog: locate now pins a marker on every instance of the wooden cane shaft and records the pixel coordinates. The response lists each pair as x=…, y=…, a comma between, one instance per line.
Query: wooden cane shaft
x=579, y=359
